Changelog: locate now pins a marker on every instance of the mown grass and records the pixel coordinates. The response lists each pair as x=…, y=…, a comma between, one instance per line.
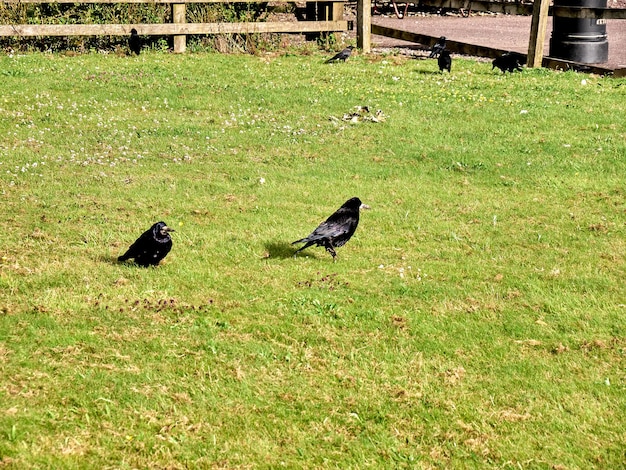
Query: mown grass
x=476, y=319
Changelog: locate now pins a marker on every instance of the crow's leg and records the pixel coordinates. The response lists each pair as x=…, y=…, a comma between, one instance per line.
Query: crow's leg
x=332, y=251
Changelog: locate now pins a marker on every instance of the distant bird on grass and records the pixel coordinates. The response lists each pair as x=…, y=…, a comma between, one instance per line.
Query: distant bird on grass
x=151, y=247
x=438, y=47
x=508, y=62
x=134, y=42
x=341, y=56
x=445, y=61
x=337, y=229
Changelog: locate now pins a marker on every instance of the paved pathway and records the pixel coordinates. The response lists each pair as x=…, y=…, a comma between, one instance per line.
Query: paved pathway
x=499, y=31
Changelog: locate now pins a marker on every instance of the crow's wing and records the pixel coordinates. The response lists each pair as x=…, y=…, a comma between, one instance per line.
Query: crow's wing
x=153, y=252
x=439, y=46
x=139, y=246
x=343, y=55
x=341, y=223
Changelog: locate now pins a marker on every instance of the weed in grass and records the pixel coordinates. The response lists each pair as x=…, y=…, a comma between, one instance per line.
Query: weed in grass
x=476, y=318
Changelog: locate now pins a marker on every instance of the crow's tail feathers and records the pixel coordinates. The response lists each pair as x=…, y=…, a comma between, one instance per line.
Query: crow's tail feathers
x=306, y=245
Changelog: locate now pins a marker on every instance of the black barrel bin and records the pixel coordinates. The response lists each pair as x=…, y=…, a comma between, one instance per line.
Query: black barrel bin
x=579, y=40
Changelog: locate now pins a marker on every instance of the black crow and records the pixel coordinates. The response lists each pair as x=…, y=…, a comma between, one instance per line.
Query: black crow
x=508, y=62
x=439, y=46
x=337, y=229
x=445, y=61
x=134, y=41
x=341, y=56
x=151, y=247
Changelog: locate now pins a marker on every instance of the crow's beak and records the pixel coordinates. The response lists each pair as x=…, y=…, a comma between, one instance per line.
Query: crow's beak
x=167, y=229
x=364, y=206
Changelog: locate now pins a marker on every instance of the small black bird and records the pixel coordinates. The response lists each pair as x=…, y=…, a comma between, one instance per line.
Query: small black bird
x=151, y=247
x=341, y=56
x=445, y=61
x=508, y=62
x=337, y=229
x=134, y=41
x=439, y=46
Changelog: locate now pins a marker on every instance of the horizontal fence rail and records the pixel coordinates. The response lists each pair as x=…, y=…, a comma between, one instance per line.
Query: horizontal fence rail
x=172, y=28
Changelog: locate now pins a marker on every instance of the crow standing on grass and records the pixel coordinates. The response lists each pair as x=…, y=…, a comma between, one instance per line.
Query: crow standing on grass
x=337, y=229
x=151, y=247
x=438, y=47
x=341, y=56
x=444, y=61
x=134, y=42
x=508, y=62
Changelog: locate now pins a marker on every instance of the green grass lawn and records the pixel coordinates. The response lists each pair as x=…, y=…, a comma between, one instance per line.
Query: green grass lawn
x=477, y=319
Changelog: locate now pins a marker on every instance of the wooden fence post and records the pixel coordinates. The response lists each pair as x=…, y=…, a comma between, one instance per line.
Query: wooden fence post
x=337, y=11
x=179, y=16
x=537, y=32
x=364, y=25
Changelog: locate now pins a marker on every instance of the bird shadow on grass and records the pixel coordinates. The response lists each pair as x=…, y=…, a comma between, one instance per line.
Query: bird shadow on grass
x=428, y=72
x=115, y=262
x=281, y=250
x=108, y=260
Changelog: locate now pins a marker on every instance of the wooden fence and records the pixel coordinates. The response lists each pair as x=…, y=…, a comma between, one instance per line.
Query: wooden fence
x=330, y=12
x=328, y=18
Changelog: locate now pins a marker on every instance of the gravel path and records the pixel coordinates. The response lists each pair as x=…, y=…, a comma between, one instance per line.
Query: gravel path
x=492, y=30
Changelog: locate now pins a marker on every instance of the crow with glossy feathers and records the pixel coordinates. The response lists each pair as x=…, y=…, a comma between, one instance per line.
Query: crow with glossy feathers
x=151, y=247
x=444, y=61
x=438, y=47
x=337, y=229
x=508, y=62
x=341, y=56
x=134, y=42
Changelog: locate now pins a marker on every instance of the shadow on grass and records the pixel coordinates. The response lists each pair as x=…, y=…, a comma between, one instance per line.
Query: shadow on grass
x=283, y=250
x=108, y=259
x=428, y=72
x=128, y=263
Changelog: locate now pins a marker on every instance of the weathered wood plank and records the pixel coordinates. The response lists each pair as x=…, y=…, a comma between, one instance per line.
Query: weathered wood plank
x=560, y=64
x=172, y=28
x=364, y=25
x=336, y=11
x=179, y=11
x=537, y=33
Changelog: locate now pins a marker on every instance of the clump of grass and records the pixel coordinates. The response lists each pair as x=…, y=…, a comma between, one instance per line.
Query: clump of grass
x=475, y=319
